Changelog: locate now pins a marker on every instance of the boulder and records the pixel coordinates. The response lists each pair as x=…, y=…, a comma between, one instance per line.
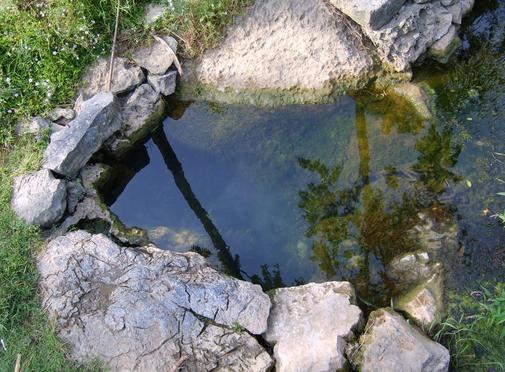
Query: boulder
x=155, y=58
x=71, y=148
x=146, y=309
x=424, y=303
x=310, y=325
x=372, y=14
x=164, y=84
x=75, y=193
x=126, y=77
x=391, y=344
x=39, y=198
x=142, y=112
x=299, y=47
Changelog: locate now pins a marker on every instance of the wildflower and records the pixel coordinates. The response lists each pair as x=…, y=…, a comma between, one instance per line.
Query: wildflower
x=30, y=80
x=9, y=111
x=55, y=52
x=8, y=80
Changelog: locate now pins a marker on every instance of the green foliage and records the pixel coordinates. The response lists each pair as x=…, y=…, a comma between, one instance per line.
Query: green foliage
x=475, y=331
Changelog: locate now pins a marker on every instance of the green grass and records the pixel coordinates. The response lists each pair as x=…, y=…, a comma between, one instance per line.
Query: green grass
x=475, y=331
x=45, y=45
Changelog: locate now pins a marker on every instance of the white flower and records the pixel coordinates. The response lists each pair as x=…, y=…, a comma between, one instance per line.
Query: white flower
x=8, y=79
x=16, y=95
x=54, y=52
x=30, y=80
x=9, y=111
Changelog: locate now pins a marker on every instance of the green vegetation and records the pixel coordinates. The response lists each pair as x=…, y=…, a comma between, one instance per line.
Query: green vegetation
x=45, y=45
x=475, y=331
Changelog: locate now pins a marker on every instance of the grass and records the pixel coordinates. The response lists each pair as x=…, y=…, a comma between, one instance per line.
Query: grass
x=475, y=331
x=45, y=45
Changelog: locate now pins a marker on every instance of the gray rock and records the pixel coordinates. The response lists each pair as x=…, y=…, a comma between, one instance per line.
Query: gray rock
x=142, y=112
x=289, y=45
x=391, y=344
x=445, y=47
x=62, y=115
x=75, y=193
x=144, y=309
x=39, y=198
x=126, y=77
x=154, y=12
x=155, y=58
x=416, y=95
x=37, y=126
x=424, y=303
x=164, y=84
x=439, y=238
x=71, y=148
x=310, y=325
x=411, y=269
x=369, y=13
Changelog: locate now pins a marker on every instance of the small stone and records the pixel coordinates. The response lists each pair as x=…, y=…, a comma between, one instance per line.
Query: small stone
x=36, y=126
x=155, y=58
x=310, y=325
x=126, y=77
x=62, y=115
x=416, y=95
x=154, y=12
x=71, y=148
x=164, y=84
x=391, y=344
x=39, y=198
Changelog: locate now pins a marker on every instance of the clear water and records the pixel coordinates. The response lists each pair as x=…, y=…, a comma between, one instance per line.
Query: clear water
x=321, y=192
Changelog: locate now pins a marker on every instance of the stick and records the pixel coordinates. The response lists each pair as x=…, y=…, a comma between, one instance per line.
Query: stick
x=17, y=367
x=116, y=27
x=167, y=47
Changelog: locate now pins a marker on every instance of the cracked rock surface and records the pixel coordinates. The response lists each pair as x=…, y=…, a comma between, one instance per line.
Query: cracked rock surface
x=310, y=325
x=145, y=309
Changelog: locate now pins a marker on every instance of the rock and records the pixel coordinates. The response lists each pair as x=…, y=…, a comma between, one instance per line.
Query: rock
x=310, y=324
x=152, y=306
x=71, y=148
x=154, y=12
x=369, y=13
x=445, y=47
x=75, y=193
x=62, y=116
x=416, y=96
x=155, y=58
x=37, y=126
x=126, y=77
x=299, y=47
x=438, y=238
x=39, y=198
x=424, y=303
x=391, y=344
x=164, y=84
x=142, y=112
x=411, y=269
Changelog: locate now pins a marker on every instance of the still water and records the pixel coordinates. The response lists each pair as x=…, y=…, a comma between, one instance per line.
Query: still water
x=295, y=194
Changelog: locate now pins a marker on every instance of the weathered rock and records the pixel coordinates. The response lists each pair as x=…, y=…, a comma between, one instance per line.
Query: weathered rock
x=391, y=344
x=416, y=95
x=75, y=193
x=156, y=58
x=310, y=324
x=444, y=48
x=141, y=113
x=154, y=12
x=369, y=13
x=71, y=148
x=164, y=84
x=37, y=126
x=424, y=303
x=411, y=269
x=437, y=237
x=126, y=77
x=144, y=309
x=299, y=47
x=62, y=115
x=39, y=198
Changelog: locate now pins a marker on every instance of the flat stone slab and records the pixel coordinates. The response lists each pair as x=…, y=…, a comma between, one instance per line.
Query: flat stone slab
x=310, y=324
x=71, y=148
x=143, y=309
x=39, y=198
x=391, y=344
x=155, y=58
x=369, y=13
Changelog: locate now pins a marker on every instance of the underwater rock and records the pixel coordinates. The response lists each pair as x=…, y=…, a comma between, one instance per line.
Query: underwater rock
x=439, y=238
x=310, y=325
x=411, y=269
x=287, y=45
x=142, y=112
x=416, y=95
x=155, y=58
x=164, y=84
x=391, y=344
x=424, y=303
x=126, y=77
x=71, y=148
x=145, y=309
x=39, y=198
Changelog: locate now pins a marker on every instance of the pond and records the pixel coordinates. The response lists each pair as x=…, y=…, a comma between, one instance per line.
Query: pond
x=294, y=194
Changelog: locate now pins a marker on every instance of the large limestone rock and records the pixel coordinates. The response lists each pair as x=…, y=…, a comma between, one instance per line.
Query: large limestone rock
x=156, y=58
x=310, y=324
x=370, y=13
x=147, y=309
x=39, y=198
x=288, y=45
x=71, y=148
x=391, y=344
x=126, y=77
